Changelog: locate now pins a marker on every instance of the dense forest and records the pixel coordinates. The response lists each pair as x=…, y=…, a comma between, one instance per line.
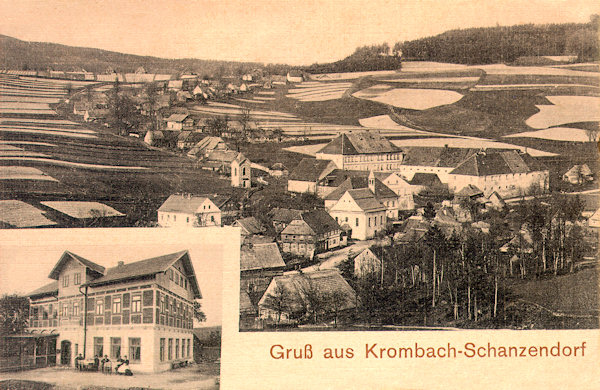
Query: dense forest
x=365, y=58
x=506, y=44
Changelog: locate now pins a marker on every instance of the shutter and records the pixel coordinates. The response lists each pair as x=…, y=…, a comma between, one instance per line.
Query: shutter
x=107, y=303
x=148, y=298
x=125, y=317
x=157, y=318
x=157, y=301
x=107, y=318
x=90, y=319
x=91, y=304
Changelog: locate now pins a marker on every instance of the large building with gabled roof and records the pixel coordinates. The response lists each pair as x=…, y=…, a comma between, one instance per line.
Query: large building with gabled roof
x=362, y=151
x=143, y=310
x=510, y=173
x=359, y=211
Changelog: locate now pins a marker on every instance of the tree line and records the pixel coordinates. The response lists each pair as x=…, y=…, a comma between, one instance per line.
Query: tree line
x=502, y=44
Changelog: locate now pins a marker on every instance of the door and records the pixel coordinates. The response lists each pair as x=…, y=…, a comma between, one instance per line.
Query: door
x=65, y=352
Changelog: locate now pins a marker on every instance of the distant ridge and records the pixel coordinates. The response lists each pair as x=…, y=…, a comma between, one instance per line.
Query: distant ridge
x=24, y=55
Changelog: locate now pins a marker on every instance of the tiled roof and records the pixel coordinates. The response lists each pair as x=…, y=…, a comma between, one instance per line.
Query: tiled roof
x=66, y=256
x=207, y=144
x=365, y=199
x=309, y=169
x=147, y=267
x=188, y=204
x=336, y=177
x=324, y=282
x=359, y=142
x=320, y=221
x=177, y=118
x=469, y=190
x=225, y=156
x=498, y=163
x=246, y=306
x=251, y=225
x=285, y=215
x=436, y=156
x=381, y=190
x=426, y=179
x=49, y=289
x=261, y=256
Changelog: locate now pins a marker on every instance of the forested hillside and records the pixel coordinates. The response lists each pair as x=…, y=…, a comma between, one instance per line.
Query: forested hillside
x=505, y=44
x=365, y=58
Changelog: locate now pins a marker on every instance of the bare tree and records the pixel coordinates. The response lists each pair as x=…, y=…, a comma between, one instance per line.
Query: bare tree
x=279, y=300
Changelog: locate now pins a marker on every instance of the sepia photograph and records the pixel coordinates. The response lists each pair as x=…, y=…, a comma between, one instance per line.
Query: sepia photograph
x=110, y=308
x=392, y=169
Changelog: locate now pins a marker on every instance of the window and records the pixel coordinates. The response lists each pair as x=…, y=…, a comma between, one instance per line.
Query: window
x=65, y=311
x=162, y=304
x=135, y=349
x=188, y=347
x=170, y=274
x=182, y=348
x=381, y=219
x=176, y=348
x=76, y=309
x=212, y=218
x=136, y=304
x=77, y=278
x=98, y=346
x=174, y=218
x=116, y=305
x=162, y=350
x=99, y=307
x=356, y=221
x=115, y=347
x=369, y=221
x=66, y=281
x=170, y=349
x=187, y=219
x=185, y=283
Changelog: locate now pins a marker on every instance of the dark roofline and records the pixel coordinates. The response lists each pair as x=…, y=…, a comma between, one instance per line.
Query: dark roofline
x=85, y=262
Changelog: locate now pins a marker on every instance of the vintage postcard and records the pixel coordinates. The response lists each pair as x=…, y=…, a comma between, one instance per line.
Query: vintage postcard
x=354, y=194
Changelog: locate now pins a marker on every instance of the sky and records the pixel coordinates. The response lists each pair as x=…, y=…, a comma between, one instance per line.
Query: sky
x=282, y=31
x=28, y=256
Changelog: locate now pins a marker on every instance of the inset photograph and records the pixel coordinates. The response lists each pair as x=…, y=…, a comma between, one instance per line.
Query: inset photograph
x=112, y=308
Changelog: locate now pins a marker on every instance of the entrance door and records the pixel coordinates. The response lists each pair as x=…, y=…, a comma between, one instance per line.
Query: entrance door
x=65, y=352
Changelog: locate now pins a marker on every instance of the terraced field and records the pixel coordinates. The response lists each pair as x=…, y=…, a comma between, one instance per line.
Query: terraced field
x=44, y=157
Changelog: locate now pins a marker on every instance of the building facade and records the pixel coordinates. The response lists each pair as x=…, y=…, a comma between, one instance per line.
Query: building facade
x=189, y=211
x=361, y=211
x=362, y=151
x=143, y=310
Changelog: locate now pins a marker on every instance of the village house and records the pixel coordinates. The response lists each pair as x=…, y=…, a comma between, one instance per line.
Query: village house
x=366, y=263
x=578, y=174
x=231, y=163
x=334, y=179
x=328, y=284
x=509, y=173
x=313, y=232
x=187, y=210
x=175, y=85
x=362, y=151
x=206, y=145
x=249, y=226
x=307, y=174
x=393, y=203
x=294, y=76
x=281, y=217
x=180, y=122
x=143, y=310
x=187, y=139
x=361, y=211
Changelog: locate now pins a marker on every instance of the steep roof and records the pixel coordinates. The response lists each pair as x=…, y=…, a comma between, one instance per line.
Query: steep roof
x=48, y=289
x=309, y=169
x=381, y=190
x=187, y=204
x=177, y=118
x=470, y=190
x=320, y=221
x=426, y=179
x=66, y=256
x=148, y=267
x=498, y=163
x=246, y=306
x=251, y=225
x=359, y=142
x=324, y=282
x=365, y=199
x=285, y=215
x=338, y=176
x=443, y=157
x=207, y=144
x=225, y=156
x=260, y=256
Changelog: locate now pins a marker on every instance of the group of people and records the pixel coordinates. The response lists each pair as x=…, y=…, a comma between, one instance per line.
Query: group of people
x=104, y=365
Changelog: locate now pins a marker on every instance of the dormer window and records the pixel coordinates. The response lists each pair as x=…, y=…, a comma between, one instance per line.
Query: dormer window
x=65, y=281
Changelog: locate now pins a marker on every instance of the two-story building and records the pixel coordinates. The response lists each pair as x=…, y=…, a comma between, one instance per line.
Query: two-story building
x=361, y=211
x=143, y=310
x=313, y=232
x=362, y=151
x=180, y=122
x=186, y=210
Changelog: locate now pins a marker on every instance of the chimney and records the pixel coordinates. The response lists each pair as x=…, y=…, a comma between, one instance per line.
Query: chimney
x=120, y=263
